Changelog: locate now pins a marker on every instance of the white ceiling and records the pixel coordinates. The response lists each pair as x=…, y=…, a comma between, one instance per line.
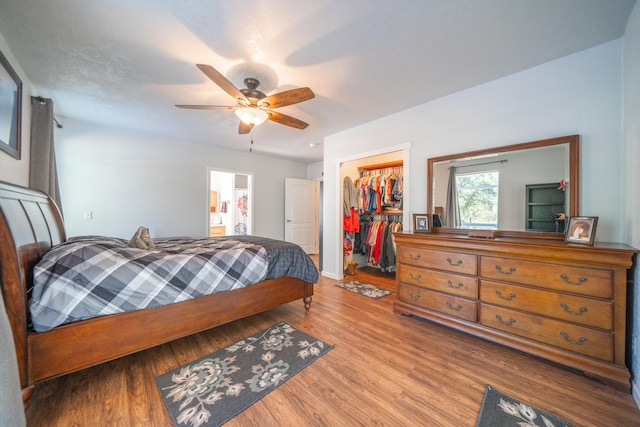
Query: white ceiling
x=126, y=63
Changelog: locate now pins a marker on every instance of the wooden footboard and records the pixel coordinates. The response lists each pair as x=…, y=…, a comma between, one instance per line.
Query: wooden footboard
x=30, y=224
x=76, y=346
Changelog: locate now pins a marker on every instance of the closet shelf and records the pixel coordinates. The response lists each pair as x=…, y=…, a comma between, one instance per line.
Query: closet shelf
x=392, y=164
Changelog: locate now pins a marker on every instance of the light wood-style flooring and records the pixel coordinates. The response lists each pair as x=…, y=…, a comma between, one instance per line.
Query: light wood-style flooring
x=385, y=370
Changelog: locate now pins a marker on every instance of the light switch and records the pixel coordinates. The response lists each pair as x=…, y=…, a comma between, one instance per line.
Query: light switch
x=87, y=215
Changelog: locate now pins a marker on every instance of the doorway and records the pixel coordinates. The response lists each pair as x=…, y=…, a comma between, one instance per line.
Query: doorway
x=348, y=166
x=230, y=198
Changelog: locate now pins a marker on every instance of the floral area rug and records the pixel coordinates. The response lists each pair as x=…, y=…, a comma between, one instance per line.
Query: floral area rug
x=365, y=289
x=500, y=410
x=217, y=387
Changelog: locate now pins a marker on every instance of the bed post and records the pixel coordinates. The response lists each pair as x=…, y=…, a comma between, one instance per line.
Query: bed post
x=30, y=223
x=308, y=292
x=13, y=295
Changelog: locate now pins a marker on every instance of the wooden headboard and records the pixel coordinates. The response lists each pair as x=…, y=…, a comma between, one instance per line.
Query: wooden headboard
x=30, y=224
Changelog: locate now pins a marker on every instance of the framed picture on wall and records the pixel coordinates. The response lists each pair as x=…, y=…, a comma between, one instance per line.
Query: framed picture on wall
x=421, y=223
x=582, y=229
x=10, y=109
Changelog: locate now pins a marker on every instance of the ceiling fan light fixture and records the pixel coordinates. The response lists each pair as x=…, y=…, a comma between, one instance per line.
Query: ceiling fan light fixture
x=251, y=115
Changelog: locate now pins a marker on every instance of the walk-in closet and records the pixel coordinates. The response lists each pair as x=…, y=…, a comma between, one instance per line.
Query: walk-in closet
x=372, y=211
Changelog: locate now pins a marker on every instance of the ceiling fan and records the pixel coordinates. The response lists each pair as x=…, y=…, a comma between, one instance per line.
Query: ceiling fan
x=254, y=106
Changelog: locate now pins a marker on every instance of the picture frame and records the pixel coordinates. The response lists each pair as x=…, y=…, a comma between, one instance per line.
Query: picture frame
x=10, y=109
x=422, y=223
x=582, y=229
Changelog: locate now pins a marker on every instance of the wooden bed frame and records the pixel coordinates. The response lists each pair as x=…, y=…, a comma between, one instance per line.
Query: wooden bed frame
x=30, y=224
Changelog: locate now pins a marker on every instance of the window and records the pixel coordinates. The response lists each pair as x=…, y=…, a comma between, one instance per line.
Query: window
x=478, y=199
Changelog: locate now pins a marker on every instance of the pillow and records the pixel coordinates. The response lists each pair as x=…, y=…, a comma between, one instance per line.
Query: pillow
x=142, y=239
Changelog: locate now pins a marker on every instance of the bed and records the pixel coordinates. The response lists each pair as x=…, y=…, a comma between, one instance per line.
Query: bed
x=31, y=225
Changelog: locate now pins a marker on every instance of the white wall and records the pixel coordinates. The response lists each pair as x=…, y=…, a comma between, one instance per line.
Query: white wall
x=631, y=156
x=579, y=94
x=11, y=169
x=127, y=179
x=314, y=171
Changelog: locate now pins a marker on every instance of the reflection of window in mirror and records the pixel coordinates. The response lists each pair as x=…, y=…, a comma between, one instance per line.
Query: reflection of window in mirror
x=478, y=199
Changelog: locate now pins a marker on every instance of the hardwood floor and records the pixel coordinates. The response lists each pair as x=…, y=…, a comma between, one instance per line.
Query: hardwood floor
x=385, y=370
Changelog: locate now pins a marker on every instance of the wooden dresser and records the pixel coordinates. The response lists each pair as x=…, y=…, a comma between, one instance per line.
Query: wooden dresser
x=562, y=302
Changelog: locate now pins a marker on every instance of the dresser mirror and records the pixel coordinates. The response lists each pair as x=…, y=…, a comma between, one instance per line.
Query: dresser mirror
x=527, y=189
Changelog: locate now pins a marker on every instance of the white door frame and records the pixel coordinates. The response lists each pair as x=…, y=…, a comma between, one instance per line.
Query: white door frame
x=234, y=172
x=406, y=187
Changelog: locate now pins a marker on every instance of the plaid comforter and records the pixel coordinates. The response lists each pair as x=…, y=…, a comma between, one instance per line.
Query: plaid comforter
x=94, y=276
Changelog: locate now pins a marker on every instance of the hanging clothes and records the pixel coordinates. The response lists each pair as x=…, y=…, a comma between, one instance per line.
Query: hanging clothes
x=368, y=227
x=379, y=191
x=375, y=240
x=351, y=224
x=349, y=196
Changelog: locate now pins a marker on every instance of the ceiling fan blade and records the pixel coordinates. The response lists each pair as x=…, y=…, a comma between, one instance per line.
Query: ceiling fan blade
x=207, y=107
x=283, y=119
x=288, y=97
x=244, y=128
x=222, y=81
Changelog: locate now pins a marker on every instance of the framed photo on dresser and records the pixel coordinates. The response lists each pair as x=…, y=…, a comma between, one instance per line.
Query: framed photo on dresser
x=421, y=223
x=582, y=229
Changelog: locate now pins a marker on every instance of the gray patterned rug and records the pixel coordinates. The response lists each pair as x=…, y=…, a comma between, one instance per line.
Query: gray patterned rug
x=217, y=387
x=500, y=410
x=365, y=289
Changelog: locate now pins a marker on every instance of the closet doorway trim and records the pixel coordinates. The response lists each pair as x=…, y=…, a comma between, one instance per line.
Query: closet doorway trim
x=406, y=153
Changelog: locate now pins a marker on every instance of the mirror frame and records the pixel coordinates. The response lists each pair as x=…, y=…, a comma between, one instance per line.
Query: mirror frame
x=574, y=180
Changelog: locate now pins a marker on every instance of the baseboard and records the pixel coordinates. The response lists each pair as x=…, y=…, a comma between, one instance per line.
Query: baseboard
x=635, y=392
x=330, y=275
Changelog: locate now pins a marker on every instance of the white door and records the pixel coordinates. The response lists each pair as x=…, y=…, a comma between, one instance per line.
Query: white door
x=300, y=213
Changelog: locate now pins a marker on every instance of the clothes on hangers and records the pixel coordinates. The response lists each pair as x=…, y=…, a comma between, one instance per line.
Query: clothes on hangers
x=373, y=192
x=351, y=222
x=380, y=191
x=349, y=196
x=375, y=240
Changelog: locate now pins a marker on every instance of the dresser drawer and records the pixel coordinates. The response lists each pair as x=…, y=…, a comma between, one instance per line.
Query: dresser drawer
x=578, y=280
x=447, y=304
x=455, y=284
x=441, y=260
x=579, y=339
x=585, y=311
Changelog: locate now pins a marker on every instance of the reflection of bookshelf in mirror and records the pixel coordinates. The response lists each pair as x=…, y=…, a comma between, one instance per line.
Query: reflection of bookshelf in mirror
x=543, y=203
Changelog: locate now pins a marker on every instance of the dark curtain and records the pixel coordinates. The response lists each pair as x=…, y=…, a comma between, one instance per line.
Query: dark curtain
x=452, y=210
x=43, y=174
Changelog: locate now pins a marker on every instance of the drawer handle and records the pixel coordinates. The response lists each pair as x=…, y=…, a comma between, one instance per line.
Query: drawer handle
x=509, y=298
x=416, y=277
x=414, y=257
x=458, y=286
x=455, y=264
x=580, y=341
x=417, y=297
x=578, y=283
x=456, y=308
x=575, y=313
x=511, y=270
x=509, y=323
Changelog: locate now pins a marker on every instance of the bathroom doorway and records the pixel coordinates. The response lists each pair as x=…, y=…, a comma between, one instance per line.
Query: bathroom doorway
x=230, y=203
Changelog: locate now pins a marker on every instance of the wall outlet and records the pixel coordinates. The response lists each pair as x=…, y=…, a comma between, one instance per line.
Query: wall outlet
x=87, y=215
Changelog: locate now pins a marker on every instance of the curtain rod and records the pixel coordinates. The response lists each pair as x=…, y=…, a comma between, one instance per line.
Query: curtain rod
x=43, y=101
x=479, y=164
